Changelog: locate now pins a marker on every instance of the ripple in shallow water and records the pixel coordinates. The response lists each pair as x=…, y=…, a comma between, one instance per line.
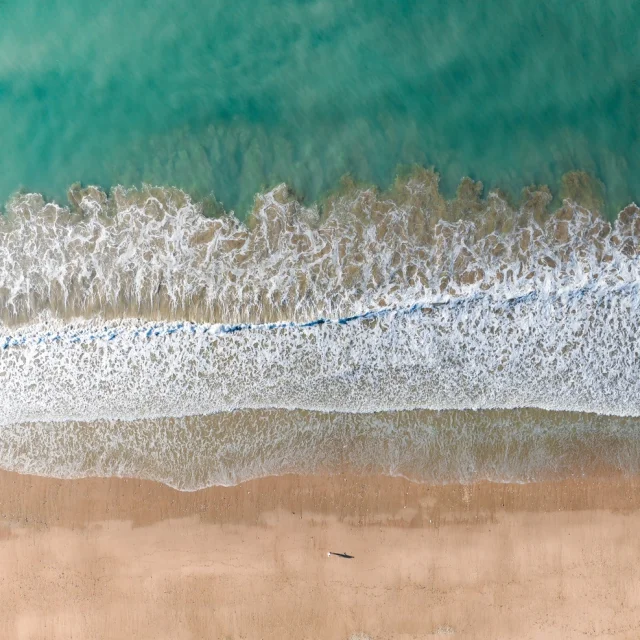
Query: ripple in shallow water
x=424, y=446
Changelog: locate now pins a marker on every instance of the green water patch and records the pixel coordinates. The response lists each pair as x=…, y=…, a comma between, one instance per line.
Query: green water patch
x=227, y=99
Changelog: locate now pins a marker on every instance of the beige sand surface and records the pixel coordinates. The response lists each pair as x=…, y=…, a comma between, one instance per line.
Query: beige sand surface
x=127, y=559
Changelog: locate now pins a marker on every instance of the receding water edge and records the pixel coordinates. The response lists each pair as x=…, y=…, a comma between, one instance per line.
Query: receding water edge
x=423, y=446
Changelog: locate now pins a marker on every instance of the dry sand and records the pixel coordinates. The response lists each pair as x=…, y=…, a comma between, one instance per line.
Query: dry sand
x=125, y=559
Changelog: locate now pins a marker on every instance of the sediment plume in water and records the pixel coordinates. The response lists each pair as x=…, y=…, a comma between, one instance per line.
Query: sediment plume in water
x=138, y=314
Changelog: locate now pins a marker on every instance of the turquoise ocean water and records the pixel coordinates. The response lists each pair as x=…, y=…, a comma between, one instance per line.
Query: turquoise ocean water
x=398, y=330
x=229, y=98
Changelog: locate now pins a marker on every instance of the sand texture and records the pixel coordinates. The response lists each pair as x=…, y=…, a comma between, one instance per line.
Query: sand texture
x=128, y=559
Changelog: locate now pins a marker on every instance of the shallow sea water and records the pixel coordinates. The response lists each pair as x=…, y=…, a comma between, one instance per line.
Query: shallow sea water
x=232, y=98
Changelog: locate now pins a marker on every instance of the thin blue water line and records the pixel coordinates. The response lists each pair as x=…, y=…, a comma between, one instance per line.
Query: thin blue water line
x=164, y=329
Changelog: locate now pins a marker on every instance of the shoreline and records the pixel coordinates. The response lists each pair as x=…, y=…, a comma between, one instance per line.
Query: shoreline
x=113, y=558
x=423, y=446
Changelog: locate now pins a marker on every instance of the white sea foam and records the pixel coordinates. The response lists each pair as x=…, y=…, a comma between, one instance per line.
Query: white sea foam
x=577, y=351
x=153, y=254
x=138, y=308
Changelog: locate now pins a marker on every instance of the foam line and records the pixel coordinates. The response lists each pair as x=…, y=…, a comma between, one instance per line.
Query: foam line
x=574, y=351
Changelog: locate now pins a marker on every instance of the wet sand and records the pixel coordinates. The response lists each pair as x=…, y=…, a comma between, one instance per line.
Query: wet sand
x=119, y=558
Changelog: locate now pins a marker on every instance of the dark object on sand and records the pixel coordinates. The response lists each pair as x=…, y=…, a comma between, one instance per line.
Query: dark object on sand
x=342, y=555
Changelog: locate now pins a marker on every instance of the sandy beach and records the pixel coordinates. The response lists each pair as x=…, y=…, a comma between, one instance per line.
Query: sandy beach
x=113, y=558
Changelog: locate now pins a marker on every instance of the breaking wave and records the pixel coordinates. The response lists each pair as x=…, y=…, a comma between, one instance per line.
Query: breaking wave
x=153, y=254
